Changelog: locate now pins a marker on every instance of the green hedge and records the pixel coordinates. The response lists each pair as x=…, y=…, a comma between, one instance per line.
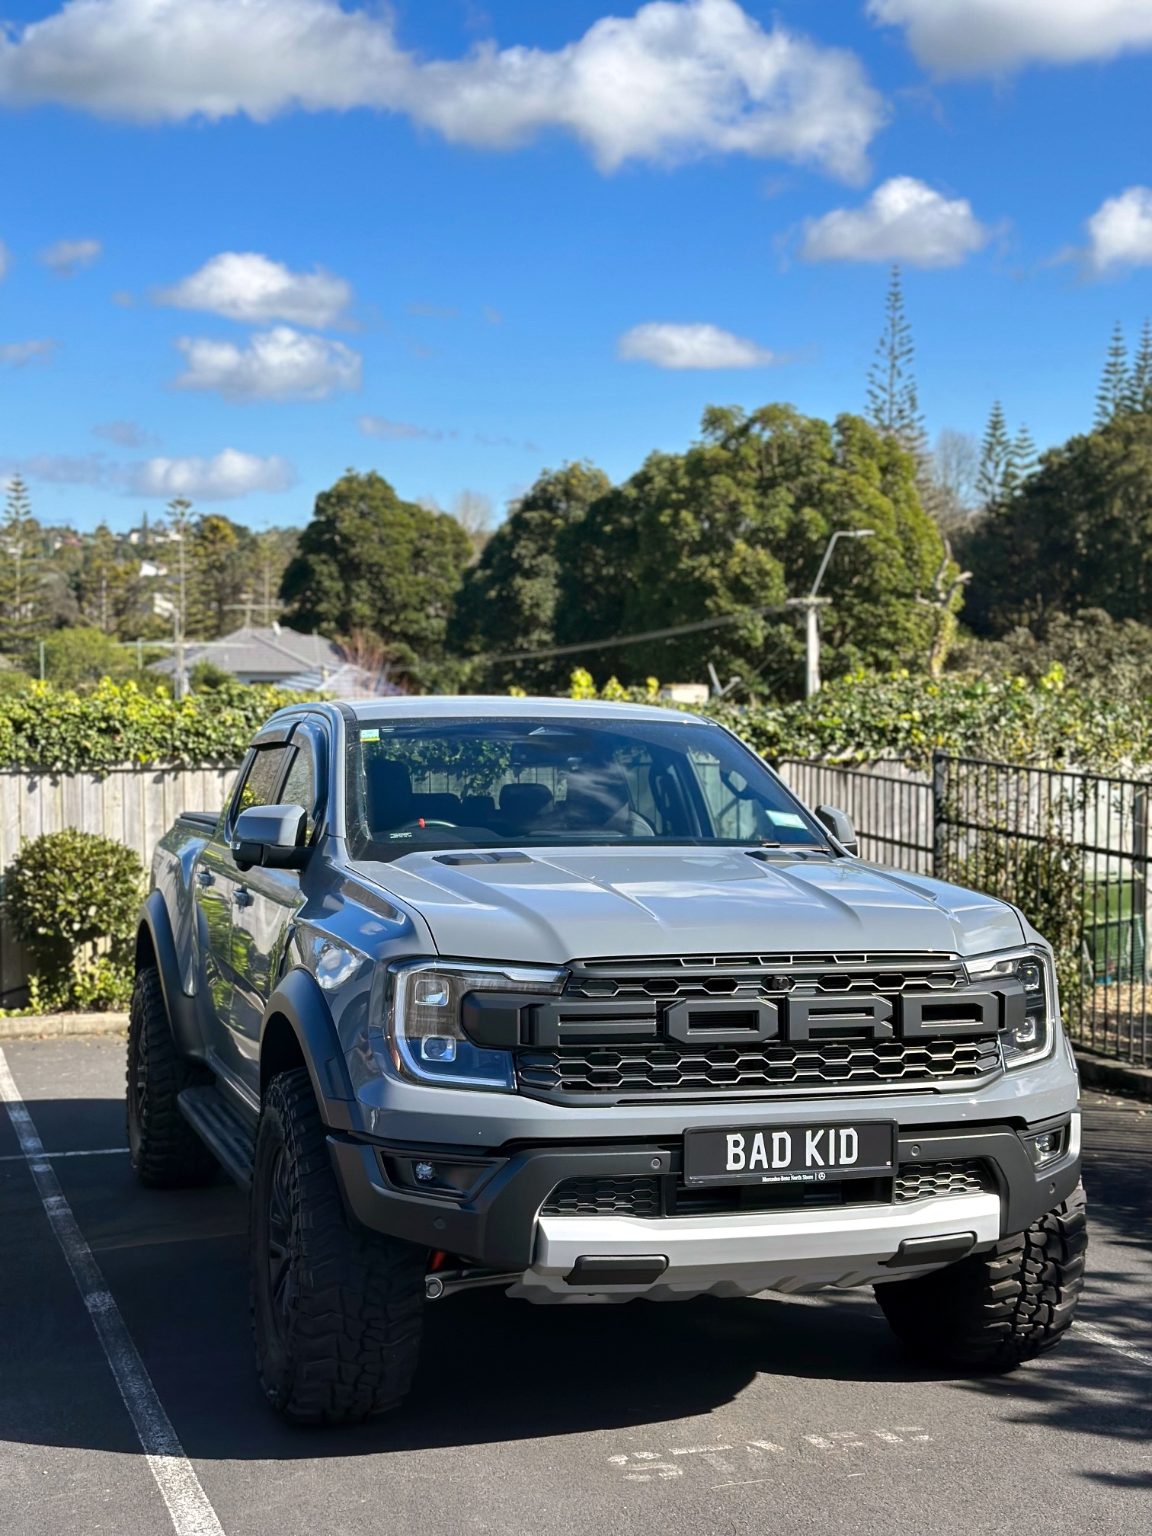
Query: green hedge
x=861, y=718
x=117, y=724
x=855, y=719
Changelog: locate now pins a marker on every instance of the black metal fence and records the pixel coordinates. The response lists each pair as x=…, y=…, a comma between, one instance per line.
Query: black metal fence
x=1072, y=850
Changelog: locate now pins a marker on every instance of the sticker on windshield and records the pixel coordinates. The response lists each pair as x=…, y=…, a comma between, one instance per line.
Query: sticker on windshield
x=786, y=819
x=372, y=735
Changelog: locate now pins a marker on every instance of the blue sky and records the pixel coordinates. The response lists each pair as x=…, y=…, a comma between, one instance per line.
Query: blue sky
x=461, y=264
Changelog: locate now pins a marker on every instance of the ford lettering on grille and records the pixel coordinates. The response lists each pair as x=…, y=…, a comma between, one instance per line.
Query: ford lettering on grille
x=747, y=1025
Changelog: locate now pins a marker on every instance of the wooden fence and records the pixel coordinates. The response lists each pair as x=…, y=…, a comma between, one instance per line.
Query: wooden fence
x=135, y=806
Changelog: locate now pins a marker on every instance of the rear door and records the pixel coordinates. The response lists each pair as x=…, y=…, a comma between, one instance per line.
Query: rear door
x=268, y=900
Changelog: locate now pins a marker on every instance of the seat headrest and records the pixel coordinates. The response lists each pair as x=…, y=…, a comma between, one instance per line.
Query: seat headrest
x=525, y=800
x=389, y=787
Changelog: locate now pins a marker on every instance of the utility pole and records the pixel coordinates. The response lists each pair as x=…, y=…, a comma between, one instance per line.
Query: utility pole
x=812, y=604
x=179, y=509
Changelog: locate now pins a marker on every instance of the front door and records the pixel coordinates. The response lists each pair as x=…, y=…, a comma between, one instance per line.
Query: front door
x=222, y=894
x=268, y=900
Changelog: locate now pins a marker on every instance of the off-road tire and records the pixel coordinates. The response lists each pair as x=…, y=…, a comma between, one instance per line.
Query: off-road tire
x=166, y=1152
x=997, y=1309
x=337, y=1329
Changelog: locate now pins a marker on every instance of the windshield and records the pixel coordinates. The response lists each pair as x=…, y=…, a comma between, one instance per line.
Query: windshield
x=439, y=784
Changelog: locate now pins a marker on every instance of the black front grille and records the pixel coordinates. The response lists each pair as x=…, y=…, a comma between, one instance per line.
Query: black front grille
x=628, y=1071
x=609, y=1006
x=665, y=1196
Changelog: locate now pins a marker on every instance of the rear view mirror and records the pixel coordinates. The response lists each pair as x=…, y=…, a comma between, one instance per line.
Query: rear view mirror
x=271, y=836
x=839, y=823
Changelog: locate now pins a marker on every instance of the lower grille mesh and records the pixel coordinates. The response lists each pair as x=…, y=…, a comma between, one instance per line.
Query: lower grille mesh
x=642, y=1196
x=605, y=1197
x=927, y=1181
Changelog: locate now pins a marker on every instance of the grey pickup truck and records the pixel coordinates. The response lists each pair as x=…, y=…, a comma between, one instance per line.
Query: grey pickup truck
x=576, y=1000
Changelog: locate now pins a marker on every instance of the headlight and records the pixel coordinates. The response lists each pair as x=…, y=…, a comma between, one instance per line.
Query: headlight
x=426, y=1037
x=1032, y=1037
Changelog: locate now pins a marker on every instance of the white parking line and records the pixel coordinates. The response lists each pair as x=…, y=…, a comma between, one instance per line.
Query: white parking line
x=188, y=1506
x=18, y=1157
x=1097, y=1336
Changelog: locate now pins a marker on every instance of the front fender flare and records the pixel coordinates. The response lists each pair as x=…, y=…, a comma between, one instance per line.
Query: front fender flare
x=300, y=1003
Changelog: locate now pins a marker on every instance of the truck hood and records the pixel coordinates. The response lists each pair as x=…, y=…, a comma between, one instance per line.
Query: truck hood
x=562, y=904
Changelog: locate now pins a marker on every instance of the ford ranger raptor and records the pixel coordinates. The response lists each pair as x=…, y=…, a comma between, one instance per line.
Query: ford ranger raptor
x=578, y=1001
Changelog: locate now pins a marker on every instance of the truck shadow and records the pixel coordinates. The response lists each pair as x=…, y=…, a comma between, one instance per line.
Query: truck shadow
x=493, y=1369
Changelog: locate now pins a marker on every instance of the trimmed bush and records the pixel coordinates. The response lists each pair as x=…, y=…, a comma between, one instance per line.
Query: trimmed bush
x=73, y=898
x=54, y=730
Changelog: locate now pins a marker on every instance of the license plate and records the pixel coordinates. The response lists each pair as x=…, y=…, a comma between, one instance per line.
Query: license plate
x=793, y=1154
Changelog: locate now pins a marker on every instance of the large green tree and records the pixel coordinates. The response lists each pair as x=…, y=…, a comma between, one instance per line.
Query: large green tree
x=1077, y=534
x=735, y=526
x=508, y=601
x=369, y=561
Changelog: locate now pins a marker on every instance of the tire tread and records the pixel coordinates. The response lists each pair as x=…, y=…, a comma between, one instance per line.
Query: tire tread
x=995, y=1310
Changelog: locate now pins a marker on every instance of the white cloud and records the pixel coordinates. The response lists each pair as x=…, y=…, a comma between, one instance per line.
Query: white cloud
x=243, y=285
x=675, y=80
x=904, y=220
x=967, y=37
x=691, y=346
x=18, y=354
x=400, y=431
x=280, y=364
x=228, y=475
x=125, y=434
x=67, y=257
x=65, y=469
x=1120, y=231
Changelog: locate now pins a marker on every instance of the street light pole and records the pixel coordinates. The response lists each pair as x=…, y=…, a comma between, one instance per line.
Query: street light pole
x=812, y=605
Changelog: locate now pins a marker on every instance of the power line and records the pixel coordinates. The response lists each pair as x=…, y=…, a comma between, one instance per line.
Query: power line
x=621, y=640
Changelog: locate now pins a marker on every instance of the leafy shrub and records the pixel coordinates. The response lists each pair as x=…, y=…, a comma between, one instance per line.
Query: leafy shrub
x=73, y=899
x=903, y=716
x=121, y=724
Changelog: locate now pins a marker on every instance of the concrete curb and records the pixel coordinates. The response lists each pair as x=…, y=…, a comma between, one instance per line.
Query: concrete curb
x=52, y=1026
x=1113, y=1076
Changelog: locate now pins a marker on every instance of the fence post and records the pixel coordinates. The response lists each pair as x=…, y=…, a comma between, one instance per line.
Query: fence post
x=939, y=812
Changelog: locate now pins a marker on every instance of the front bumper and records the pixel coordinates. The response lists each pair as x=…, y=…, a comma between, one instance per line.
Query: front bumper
x=741, y=1255
x=498, y=1225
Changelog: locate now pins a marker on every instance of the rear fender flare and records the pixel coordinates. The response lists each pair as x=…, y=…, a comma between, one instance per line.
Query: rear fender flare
x=155, y=941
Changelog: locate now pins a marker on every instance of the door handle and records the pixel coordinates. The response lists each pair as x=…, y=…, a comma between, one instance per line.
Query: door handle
x=204, y=877
x=242, y=896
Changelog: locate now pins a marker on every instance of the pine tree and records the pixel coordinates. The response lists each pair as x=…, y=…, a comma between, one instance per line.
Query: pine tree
x=893, y=400
x=1139, y=396
x=997, y=474
x=1023, y=458
x=1115, y=382
x=22, y=606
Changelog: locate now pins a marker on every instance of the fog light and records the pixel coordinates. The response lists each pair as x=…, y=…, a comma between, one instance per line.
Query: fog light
x=1047, y=1146
x=438, y=1048
x=425, y=1172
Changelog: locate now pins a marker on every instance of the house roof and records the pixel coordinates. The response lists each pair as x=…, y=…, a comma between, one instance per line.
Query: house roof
x=264, y=651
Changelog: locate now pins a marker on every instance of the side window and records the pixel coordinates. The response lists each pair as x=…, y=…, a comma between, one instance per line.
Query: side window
x=300, y=785
x=259, y=787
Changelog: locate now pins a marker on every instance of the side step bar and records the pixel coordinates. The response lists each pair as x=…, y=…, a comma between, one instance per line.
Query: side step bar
x=222, y=1128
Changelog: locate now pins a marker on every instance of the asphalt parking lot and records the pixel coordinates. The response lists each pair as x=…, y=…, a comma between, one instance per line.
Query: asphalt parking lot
x=766, y=1415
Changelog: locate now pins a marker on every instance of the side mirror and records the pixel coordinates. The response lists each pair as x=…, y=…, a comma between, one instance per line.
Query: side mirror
x=271, y=836
x=839, y=823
